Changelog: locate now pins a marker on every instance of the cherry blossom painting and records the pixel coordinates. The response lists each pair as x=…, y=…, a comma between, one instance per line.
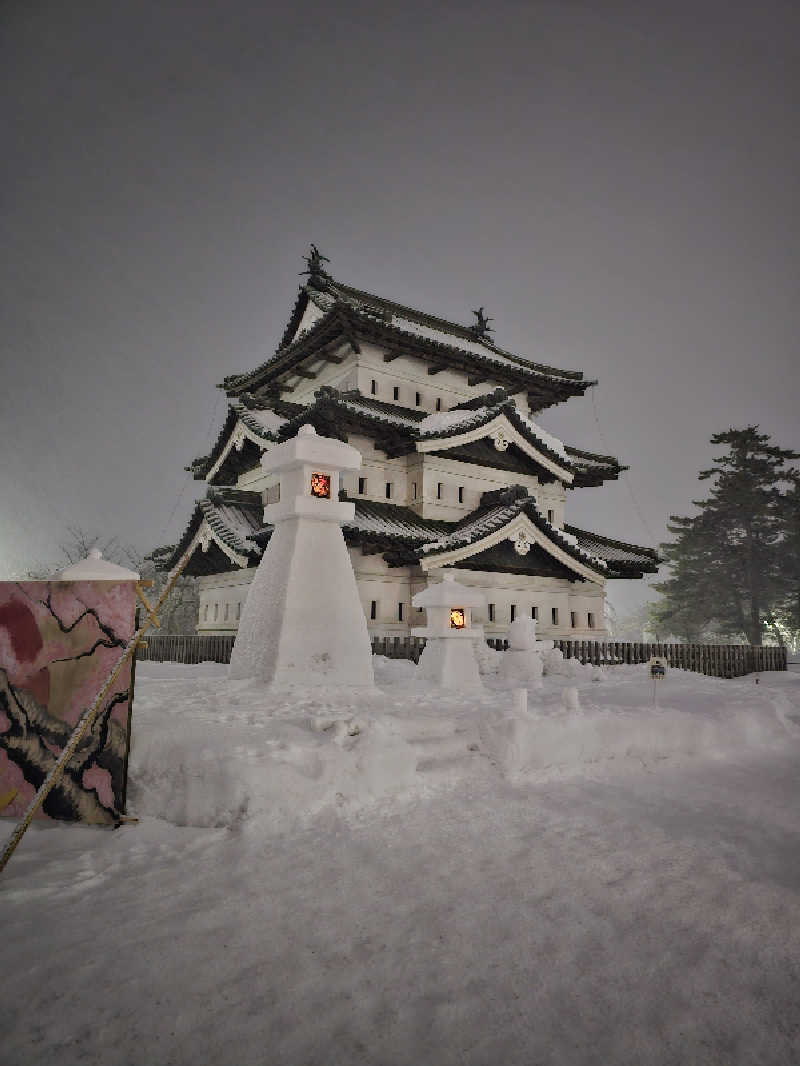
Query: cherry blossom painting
x=59, y=640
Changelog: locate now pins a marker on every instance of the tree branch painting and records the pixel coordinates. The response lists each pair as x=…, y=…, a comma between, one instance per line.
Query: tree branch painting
x=58, y=641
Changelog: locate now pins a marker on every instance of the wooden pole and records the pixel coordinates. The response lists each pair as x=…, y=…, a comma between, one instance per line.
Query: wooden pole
x=87, y=718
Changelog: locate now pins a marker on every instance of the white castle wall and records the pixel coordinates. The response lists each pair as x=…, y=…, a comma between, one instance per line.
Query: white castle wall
x=388, y=587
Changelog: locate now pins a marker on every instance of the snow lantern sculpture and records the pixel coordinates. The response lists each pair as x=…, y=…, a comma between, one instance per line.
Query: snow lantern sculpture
x=448, y=658
x=302, y=623
x=522, y=662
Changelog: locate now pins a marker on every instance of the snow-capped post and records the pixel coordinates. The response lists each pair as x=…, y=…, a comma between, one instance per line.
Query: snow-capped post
x=302, y=623
x=448, y=658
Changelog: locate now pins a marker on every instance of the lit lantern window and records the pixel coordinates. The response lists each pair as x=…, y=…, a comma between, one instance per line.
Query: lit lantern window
x=321, y=486
x=457, y=619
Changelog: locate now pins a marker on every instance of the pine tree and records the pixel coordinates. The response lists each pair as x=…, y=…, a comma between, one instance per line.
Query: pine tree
x=728, y=561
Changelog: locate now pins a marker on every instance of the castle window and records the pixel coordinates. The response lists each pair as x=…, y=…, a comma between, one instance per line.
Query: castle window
x=373, y=387
x=399, y=612
x=590, y=620
x=573, y=618
x=439, y=488
x=388, y=490
x=460, y=493
x=414, y=487
x=417, y=399
x=373, y=610
x=535, y=613
x=362, y=486
x=205, y=613
x=227, y=608
x=554, y=615
x=491, y=612
x=438, y=403
x=396, y=392
x=513, y=611
x=550, y=517
x=238, y=611
x=216, y=611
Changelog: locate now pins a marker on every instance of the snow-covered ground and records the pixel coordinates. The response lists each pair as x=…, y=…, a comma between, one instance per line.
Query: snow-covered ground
x=421, y=878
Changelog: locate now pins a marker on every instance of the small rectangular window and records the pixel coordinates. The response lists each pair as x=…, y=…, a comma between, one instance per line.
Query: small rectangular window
x=417, y=399
x=491, y=612
x=590, y=620
x=205, y=613
x=554, y=615
x=373, y=387
x=513, y=611
x=227, y=608
x=362, y=486
x=399, y=612
x=414, y=487
x=238, y=611
x=439, y=488
x=216, y=611
x=550, y=517
x=388, y=490
x=439, y=403
x=573, y=618
x=535, y=613
x=396, y=393
x=460, y=493
x=373, y=610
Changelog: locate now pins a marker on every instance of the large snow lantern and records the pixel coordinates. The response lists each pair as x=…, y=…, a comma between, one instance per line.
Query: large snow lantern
x=449, y=655
x=302, y=623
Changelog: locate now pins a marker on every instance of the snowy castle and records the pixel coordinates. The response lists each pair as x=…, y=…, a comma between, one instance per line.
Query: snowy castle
x=456, y=472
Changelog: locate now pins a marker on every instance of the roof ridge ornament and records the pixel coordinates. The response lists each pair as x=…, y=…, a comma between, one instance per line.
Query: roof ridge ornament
x=317, y=273
x=481, y=329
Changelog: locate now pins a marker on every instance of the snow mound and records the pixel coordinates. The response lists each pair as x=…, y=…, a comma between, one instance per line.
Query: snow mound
x=211, y=752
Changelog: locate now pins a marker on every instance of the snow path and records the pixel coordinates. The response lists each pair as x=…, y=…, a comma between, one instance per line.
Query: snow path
x=650, y=917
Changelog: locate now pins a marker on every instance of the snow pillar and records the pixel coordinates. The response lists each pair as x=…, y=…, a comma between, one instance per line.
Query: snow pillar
x=302, y=623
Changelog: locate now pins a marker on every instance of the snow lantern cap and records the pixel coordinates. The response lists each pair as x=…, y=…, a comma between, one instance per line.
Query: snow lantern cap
x=95, y=568
x=449, y=593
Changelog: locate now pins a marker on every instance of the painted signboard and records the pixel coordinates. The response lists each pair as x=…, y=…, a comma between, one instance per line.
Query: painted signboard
x=59, y=640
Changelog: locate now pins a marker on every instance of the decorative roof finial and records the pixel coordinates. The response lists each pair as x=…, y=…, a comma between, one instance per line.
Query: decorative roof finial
x=316, y=270
x=481, y=328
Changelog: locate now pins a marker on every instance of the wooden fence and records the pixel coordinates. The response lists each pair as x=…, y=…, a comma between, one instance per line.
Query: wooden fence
x=716, y=660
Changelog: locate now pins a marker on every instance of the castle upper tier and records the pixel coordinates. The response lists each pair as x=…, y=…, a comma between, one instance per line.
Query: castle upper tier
x=456, y=472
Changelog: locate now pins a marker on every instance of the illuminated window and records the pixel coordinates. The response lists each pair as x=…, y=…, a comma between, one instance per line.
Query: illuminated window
x=457, y=618
x=373, y=610
x=362, y=486
x=554, y=615
x=513, y=611
x=321, y=486
x=491, y=612
x=388, y=490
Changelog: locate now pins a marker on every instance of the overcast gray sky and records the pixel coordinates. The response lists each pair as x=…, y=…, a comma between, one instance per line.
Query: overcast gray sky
x=615, y=182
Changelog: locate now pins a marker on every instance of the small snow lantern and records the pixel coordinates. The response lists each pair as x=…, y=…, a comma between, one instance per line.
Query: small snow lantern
x=449, y=655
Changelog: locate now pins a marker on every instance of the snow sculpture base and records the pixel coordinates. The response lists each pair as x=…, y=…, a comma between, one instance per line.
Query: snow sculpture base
x=450, y=663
